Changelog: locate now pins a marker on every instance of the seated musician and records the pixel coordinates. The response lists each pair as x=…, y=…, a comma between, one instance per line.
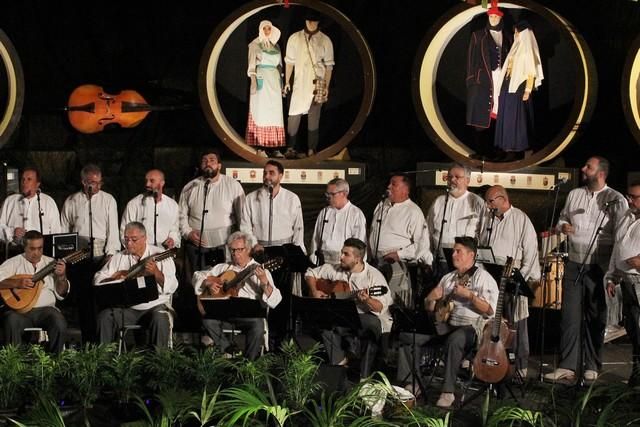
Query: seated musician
x=44, y=313
x=475, y=296
x=373, y=311
x=258, y=286
x=154, y=314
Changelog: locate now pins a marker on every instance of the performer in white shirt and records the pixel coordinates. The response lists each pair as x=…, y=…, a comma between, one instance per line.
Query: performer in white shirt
x=585, y=210
x=258, y=285
x=156, y=314
x=29, y=210
x=624, y=268
x=158, y=212
x=44, y=313
x=510, y=233
x=92, y=213
x=337, y=222
x=462, y=216
x=399, y=237
x=224, y=200
x=373, y=311
x=310, y=53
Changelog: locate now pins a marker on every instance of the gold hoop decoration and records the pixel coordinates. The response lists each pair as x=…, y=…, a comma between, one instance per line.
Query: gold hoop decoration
x=426, y=68
x=631, y=89
x=209, y=93
x=13, y=92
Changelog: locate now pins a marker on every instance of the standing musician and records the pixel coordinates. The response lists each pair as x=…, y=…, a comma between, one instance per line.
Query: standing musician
x=29, y=210
x=44, y=314
x=337, y=222
x=158, y=213
x=399, y=236
x=373, y=310
x=510, y=233
x=474, y=294
x=462, y=216
x=257, y=286
x=206, y=227
x=583, y=299
x=155, y=313
x=624, y=268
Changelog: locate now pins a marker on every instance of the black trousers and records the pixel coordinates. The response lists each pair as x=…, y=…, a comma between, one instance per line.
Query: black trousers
x=48, y=318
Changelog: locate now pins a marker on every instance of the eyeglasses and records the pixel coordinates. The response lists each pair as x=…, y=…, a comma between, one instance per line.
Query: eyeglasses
x=328, y=194
x=234, y=250
x=494, y=199
x=450, y=177
x=632, y=197
x=132, y=239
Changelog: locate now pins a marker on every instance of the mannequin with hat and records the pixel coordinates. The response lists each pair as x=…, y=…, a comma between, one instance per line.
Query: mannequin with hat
x=488, y=48
x=310, y=54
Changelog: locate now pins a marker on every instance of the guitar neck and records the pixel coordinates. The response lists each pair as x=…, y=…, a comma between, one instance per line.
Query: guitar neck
x=240, y=277
x=48, y=269
x=139, y=266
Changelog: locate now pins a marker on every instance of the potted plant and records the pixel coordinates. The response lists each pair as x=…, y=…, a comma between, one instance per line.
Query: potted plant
x=13, y=378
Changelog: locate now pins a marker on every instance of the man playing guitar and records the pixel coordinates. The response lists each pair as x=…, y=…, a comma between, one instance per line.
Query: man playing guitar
x=55, y=287
x=373, y=311
x=255, y=286
x=473, y=302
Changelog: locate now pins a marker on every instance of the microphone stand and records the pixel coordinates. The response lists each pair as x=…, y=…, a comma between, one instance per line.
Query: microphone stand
x=155, y=219
x=545, y=267
x=91, y=238
x=319, y=253
x=204, y=213
x=490, y=228
x=40, y=213
x=270, y=189
x=374, y=257
x=436, y=269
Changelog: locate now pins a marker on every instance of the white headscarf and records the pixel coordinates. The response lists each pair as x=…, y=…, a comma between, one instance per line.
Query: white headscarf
x=525, y=58
x=275, y=33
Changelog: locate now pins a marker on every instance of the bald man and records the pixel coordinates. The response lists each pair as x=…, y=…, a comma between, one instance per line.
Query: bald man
x=510, y=233
x=158, y=212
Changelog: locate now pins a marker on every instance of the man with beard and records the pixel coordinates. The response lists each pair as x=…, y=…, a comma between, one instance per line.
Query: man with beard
x=29, y=210
x=488, y=48
x=624, y=268
x=373, y=312
x=462, y=216
x=583, y=297
x=210, y=209
x=158, y=213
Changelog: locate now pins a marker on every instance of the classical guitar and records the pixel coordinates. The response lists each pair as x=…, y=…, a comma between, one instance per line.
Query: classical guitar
x=137, y=269
x=339, y=289
x=232, y=281
x=444, y=306
x=23, y=300
x=491, y=363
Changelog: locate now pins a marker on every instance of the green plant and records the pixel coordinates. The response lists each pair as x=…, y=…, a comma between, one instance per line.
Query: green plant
x=255, y=373
x=125, y=373
x=165, y=369
x=41, y=373
x=13, y=370
x=45, y=413
x=174, y=409
x=297, y=372
x=207, y=369
x=247, y=401
x=207, y=408
x=515, y=416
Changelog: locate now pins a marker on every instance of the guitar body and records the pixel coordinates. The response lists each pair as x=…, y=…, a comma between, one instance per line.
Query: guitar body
x=491, y=363
x=225, y=277
x=22, y=300
x=331, y=287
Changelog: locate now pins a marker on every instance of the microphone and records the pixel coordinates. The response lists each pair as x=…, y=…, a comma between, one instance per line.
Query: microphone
x=385, y=195
x=270, y=188
x=561, y=181
x=38, y=191
x=493, y=211
x=206, y=183
x=207, y=173
x=90, y=189
x=611, y=202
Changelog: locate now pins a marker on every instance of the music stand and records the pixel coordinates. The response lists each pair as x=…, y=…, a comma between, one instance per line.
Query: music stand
x=228, y=308
x=485, y=254
x=59, y=245
x=295, y=260
x=516, y=286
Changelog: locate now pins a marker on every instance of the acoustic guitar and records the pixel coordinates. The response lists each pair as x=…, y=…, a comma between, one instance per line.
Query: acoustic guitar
x=491, y=363
x=339, y=289
x=23, y=300
x=232, y=281
x=137, y=269
x=444, y=306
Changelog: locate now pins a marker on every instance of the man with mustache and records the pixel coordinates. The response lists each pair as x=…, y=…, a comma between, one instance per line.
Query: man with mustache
x=217, y=219
x=158, y=212
x=595, y=204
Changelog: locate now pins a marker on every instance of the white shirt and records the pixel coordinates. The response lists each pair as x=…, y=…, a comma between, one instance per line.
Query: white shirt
x=19, y=211
x=75, y=218
x=124, y=261
x=287, y=225
x=339, y=225
x=250, y=288
x=20, y=265
x=225, y=198
x=481, y=284
x=513, y=236
x=403, y=230
x=463, y=218
x=141, y=209
x=627, y=245
x=363, y=280
x=309, y=62
x=584, y=210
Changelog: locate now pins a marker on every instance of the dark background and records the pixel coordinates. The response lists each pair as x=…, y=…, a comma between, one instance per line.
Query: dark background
x=156, y=50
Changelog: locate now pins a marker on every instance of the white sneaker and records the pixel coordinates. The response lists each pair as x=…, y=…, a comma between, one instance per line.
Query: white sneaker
x=590, y=375
x=261, y=153
x=445, y=400
x=277, y=154
x=560, y=374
